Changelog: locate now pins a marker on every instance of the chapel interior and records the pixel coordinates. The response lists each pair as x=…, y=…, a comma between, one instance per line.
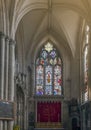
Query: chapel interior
x=45, y=65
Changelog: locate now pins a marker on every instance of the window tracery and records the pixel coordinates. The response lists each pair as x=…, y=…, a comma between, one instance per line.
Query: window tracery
x=49, y=71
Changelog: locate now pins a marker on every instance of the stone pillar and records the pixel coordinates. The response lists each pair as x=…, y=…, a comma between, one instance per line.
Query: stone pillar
x=6, y=74
x=11, y=70
x=5, y=125
x=10, y=125
x=6, y=68
x=2, y=54
x=1, y=125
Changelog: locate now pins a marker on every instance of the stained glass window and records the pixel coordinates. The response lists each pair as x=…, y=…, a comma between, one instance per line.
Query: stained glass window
x=85, y=90
x=86, y=73
x=39, y=79
x=48, y=80
x=49, y=75
x=57, y=80
x=48, y=47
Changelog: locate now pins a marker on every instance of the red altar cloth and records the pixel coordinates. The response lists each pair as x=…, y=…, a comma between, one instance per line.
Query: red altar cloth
x=49, y=112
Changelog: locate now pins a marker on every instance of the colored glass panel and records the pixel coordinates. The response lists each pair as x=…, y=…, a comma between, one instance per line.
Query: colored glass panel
x=86, y=96
x=48, y=83
x=41, y=61
x=39, y=75
x=39, y=80
x=48, y=47
x=53, y=54
x=48, y=90
x=57, y=90
x=86, y=73
x=39, y=90
x=44, y=54
x=48, y=71
x=51, y=61
x=46, y=61
x=86, y=65
x=57, y=80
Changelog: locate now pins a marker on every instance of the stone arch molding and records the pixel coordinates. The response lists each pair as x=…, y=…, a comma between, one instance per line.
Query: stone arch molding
x=53, y=38
x=65, y=54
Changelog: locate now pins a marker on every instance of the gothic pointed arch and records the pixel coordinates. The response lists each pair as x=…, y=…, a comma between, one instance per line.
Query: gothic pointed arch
x=48, y=71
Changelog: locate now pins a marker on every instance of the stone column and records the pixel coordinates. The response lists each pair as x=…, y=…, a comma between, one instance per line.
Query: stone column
x=6, y=68
x=2, y=54
x=6, y=74
x=1, y=125
x=11, y=70
x=5, y=125
x=10, y=125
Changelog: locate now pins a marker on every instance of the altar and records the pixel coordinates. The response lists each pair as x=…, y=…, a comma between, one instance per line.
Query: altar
x=48, y=116
x=49, y=113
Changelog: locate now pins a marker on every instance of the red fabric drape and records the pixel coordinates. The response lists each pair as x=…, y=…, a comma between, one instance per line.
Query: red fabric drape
x=49, y=111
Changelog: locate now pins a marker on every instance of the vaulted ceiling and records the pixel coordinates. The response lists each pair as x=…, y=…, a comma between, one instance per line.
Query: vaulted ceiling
x=32, y=20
